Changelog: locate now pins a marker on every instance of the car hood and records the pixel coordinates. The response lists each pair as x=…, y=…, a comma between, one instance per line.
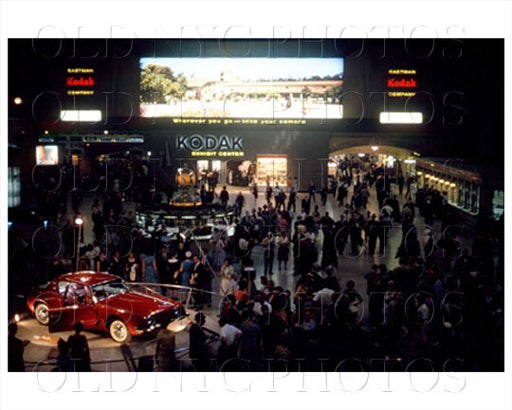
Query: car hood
x=139, y=304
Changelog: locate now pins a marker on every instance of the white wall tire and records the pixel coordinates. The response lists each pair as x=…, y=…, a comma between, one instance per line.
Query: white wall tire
x=42, y=314
x=119, y=332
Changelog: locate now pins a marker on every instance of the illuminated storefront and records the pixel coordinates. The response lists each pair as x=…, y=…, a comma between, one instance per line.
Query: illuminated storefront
x=243, y=156
x=461, y=187
x=272, y=169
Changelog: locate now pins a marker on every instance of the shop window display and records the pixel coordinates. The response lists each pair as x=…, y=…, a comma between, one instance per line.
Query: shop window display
x=272, y=169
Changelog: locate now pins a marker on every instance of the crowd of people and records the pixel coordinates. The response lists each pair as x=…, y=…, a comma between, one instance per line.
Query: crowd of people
x=440, y=309
x=442, y=302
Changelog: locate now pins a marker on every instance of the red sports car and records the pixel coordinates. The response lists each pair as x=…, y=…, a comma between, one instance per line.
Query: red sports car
x=101, y=301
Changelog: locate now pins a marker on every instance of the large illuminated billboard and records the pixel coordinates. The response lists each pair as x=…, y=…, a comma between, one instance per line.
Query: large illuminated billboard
x=253, y=88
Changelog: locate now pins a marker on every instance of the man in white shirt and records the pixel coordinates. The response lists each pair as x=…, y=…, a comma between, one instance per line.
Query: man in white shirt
x=262, y=300
x=227, y=351
x=229, y=334
x=91, y=254
x=324, y=297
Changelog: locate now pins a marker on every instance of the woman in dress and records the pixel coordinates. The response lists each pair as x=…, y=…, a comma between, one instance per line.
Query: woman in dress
x=149, y=269
x=226, y=272
x=186, y=270
x=131, y=269
x=101, y=263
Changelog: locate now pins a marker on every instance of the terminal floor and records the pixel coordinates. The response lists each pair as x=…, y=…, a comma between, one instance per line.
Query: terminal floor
x=104, y=349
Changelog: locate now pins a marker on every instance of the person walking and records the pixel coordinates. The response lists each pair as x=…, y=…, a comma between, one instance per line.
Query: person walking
x=312, y=191
x=224, y=197
x=268, y=193
x=283, y=250
x=268, y=253
x=323, y=196
x=292, y=198
x=255, y=191
x=373, y=228
x=239, y=202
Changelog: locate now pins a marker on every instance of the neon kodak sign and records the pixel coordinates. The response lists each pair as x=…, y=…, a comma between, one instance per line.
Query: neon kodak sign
x=82, y=81
x=400, y=78
x=78, y=78
x=402, y=83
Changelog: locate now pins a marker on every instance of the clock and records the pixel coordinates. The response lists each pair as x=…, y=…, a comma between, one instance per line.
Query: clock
x=185, y=177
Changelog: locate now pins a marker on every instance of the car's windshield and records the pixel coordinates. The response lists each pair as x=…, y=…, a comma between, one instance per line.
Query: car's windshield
x=114, y=287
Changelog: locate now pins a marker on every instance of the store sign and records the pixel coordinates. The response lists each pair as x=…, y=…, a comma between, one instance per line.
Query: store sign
x=402, y=82
x=80, y=77
x=79, y=81
x=401, y=71
x=401, y=79
x=217, y=154
x=209, y=143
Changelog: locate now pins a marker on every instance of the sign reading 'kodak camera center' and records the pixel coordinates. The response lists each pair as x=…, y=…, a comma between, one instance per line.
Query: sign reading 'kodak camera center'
x=209, y=143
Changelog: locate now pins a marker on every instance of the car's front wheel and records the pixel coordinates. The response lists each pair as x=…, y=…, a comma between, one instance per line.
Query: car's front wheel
x=42, y=313
x=119, y=331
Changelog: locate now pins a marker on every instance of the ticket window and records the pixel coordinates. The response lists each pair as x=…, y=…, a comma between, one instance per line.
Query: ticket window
x=273, y=169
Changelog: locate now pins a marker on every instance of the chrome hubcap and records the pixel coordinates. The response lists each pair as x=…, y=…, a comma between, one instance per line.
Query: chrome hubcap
x=118, y=330
x=42, y=313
